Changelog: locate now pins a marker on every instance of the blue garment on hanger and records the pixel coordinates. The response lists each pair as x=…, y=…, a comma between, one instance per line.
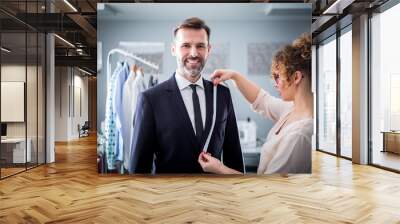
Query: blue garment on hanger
x=113, y=125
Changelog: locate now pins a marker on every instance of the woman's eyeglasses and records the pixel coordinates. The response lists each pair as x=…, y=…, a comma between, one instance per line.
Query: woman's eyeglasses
x=276, y=78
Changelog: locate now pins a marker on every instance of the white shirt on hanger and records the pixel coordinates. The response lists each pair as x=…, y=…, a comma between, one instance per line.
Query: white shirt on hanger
x=186, y=92
x=134, y=85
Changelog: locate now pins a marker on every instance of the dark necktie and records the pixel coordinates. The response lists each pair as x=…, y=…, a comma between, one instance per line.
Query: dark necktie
x=197, y=112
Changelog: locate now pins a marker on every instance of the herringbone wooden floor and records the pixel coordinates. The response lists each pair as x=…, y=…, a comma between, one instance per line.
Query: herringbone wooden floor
x=71, y=191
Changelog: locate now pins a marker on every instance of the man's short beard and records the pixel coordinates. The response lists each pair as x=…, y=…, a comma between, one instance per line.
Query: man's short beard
x=190, y=72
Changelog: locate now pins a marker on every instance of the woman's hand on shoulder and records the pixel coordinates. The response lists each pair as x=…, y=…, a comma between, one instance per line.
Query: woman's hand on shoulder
x=221, y=75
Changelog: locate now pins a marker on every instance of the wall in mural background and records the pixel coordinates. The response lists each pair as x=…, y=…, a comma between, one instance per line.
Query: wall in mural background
x=259, y=57
x=219, y=58
x=156, y=58
x=150, y=51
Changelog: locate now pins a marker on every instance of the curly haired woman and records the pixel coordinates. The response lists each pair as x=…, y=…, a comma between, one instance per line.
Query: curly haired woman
x=288, y=145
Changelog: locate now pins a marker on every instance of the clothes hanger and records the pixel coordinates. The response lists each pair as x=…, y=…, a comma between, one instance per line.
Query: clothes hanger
x=133, y=70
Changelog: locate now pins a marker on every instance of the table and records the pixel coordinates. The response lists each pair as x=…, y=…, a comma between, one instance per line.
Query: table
x=16, y=147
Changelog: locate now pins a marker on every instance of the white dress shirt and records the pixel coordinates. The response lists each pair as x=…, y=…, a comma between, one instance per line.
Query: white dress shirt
x=287, y=149
x=134, y=85
x=186, y=92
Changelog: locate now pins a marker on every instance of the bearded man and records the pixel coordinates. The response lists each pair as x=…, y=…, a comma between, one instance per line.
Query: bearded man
x=173, y=119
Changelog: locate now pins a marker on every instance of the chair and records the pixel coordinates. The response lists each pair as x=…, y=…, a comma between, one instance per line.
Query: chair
x=84, y=130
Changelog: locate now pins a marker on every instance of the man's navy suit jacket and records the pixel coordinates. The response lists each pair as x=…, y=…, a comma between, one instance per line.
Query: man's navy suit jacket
x=163, y=131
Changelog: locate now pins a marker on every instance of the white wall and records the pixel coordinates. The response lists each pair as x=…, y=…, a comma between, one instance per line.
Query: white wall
x=32, y=127
x=80, y=118
x=67, y=114
x=14, y=73
x=17, y=73
x=61, y=103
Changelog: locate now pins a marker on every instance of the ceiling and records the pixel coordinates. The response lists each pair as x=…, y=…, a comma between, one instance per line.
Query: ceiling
x=78, y=24
x=208, y=11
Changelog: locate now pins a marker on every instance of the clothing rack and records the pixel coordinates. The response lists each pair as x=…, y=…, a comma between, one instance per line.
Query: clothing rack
x=108, y=75
x=130, y=55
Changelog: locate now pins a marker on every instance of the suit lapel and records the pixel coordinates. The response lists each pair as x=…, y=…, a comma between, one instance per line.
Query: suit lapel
x=182, y=114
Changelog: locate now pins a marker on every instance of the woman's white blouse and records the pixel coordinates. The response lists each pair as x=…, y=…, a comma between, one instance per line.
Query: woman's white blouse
x=289, y=151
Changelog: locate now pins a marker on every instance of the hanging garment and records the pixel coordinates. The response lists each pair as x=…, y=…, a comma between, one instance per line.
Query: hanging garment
x=133, y=86
x=153, y=80
x=113, y=125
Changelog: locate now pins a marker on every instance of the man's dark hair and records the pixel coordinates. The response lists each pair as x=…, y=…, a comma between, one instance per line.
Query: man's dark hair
x=193, y=23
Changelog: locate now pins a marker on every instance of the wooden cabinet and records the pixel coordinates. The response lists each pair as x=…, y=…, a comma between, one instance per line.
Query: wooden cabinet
x=391, y=141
